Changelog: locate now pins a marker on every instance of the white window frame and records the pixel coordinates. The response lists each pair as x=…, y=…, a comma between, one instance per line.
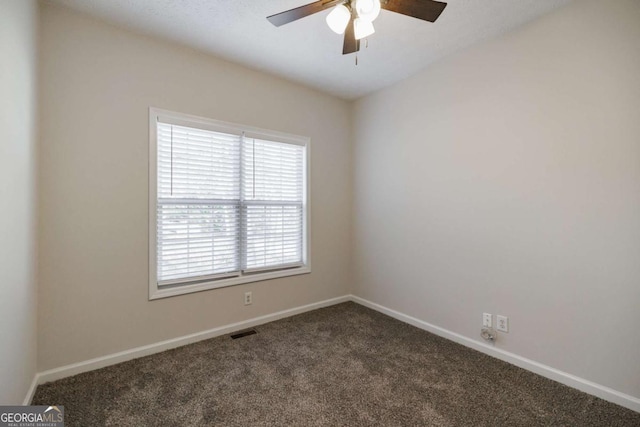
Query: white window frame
x=156, y=292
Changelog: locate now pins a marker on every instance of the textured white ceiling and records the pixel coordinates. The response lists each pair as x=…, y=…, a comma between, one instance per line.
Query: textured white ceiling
x=307, y=51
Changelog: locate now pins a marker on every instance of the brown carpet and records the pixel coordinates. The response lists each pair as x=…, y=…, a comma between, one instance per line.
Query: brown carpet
x=344, y=365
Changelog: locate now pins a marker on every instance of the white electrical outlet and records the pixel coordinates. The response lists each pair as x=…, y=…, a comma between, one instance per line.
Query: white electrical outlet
x=487, y=320
x=248, y=299
x=503, y=323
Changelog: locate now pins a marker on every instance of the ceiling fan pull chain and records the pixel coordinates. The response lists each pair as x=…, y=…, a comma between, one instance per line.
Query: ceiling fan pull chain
x=356, y=59
x=366, y=43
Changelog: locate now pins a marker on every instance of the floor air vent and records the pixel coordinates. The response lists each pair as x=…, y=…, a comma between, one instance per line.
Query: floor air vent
x=243, y=334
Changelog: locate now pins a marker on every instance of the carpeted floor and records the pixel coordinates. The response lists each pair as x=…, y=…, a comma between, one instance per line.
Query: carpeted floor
x=344, y=365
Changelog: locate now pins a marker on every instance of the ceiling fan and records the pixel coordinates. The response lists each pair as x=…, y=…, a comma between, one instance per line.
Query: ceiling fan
x=354, y=18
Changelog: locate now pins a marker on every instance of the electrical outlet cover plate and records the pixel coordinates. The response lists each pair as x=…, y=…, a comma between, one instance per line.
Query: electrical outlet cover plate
x=503, y=323
x=487, y=320
x=248, y=300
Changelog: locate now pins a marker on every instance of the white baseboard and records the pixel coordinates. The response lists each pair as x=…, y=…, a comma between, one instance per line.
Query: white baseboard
x=570, y=380
x=32, y=390
x=134, y=353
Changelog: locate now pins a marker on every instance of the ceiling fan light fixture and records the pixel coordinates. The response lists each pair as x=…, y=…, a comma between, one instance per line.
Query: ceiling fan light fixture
x=363, y=29
x=338, y=19
x=367, y=10
x=354, y=18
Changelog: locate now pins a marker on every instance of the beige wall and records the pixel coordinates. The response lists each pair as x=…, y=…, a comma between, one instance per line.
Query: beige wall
x=18, y=308
x=97, y=84
x=506, y=179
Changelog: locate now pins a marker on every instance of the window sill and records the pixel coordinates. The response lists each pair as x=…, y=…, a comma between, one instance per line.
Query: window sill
x=158, y=293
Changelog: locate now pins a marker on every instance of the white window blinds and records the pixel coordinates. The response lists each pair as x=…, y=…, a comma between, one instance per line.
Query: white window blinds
x=226, y=204
x=273, y=192
x=198, y=218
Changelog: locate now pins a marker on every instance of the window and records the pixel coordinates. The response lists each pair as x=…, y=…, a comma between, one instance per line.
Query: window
x=228, y=204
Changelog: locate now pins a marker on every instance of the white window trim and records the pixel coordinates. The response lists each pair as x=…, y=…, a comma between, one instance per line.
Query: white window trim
x=188, y=120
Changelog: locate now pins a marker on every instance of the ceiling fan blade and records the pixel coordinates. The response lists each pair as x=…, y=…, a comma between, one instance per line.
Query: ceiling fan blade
x=427, y=10
x=300, y=12
x=351, y=45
